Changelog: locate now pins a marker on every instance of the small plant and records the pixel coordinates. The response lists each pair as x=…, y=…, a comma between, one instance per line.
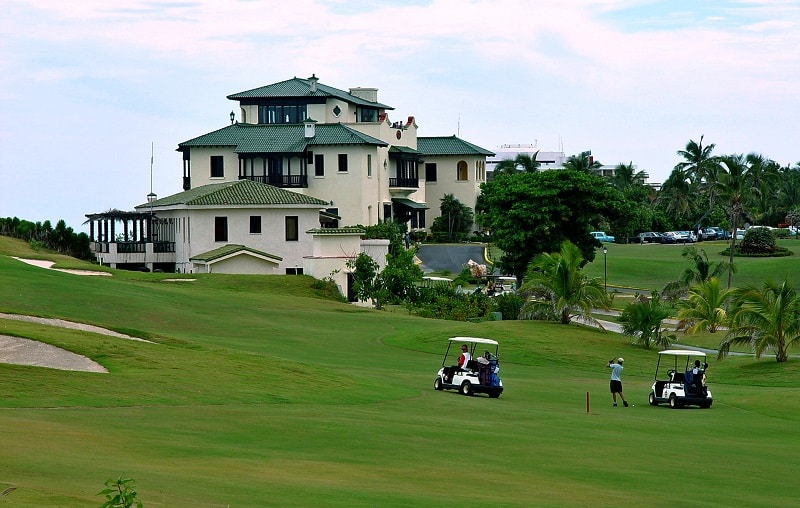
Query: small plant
x=120, y=493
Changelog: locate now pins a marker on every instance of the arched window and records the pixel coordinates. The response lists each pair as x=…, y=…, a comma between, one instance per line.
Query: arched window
x=462, y=171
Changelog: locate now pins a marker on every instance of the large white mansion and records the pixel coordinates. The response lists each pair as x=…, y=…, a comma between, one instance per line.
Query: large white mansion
x=288, y=182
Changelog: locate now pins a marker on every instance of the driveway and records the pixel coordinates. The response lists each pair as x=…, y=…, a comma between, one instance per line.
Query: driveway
x=450, y=257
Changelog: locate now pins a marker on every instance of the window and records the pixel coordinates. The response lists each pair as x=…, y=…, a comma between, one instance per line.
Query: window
x=367, y=115
x=282, y=113
x=462, y=171
x=217, y=166
x=294, y=271
x=369, y=164
x=430, y=171
x=319, y=165
x=309, y=157
x=292, y=229
x=255, y=224
x=220, y=229
x=342, y=162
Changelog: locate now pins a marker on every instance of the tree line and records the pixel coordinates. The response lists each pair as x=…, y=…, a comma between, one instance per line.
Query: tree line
x=61, y=239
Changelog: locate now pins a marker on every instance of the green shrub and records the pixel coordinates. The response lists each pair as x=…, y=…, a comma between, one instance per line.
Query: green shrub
x=758, y=241
x=508, y=304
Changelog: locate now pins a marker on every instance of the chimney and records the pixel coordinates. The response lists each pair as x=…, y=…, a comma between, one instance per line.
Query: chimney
x=312, y=82
x=310, y=128
x=368, y=94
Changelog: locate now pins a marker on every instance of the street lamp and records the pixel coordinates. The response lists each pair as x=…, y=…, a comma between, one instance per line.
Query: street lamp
x=605, y=269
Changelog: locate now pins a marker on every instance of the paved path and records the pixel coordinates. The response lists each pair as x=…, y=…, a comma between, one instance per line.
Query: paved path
x=450, y=257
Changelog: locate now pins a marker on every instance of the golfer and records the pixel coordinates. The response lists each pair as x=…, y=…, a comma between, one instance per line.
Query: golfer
x=616, y=380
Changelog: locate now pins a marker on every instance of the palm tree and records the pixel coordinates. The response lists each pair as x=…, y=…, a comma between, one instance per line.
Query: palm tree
x=704, y=309
x=522, y=162
x=733, y=187
x=768, y=318
x=764, y=175
x=582, y=162
x=642, y=319
x=703, y=269
x=676, y=194
x=700, y=167
x=555, y=287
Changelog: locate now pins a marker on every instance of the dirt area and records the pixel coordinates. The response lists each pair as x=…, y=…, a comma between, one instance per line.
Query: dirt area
x=49, y=265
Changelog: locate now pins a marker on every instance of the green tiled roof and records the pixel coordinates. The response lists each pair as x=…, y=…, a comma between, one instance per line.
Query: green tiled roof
x=402, y=149
x=227, y=250
x=280, y=138
x=449, y=145
x=297, y=87
x=240, y=192
x=353, y=230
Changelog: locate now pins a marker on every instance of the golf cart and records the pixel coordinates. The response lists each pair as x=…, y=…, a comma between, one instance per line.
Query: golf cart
x=479, y=375
x=676, y=384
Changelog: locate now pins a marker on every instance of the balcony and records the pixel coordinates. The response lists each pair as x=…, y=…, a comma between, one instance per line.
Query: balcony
x=282, y=181
x=412, y=183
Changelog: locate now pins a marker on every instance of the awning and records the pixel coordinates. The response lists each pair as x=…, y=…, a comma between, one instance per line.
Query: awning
x=410, y=203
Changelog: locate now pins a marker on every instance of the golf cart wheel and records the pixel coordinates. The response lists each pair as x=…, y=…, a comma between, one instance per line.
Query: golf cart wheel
x=437, y=384
x=673, y=402
x=705, y=405
x=652, y=399
x=466, y=388
x=494, y=395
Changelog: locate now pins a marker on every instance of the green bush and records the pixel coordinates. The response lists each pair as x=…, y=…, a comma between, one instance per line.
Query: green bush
x=758, y=241
x=508, y=304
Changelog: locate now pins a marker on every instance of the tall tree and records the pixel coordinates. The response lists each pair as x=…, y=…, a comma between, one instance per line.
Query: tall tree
x=530, y=213
x=733, y=187
x=768, y=318
x=557, y=289
x=454, y=221
x=699, y=165
x=676, y=196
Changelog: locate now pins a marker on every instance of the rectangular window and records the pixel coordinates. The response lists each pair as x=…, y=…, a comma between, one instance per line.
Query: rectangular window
x=255, y=224
x=369, y=164
x=294, y=271
x=217, y=167
x=430, y=171
x=319, y=165
x=282, y=114
x=367, y=115
x=220, y=229
x=309, y=157
x=342, y=162
x=292, y=229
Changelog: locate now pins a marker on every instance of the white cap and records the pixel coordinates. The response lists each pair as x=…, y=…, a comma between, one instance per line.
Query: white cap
x=620, y=360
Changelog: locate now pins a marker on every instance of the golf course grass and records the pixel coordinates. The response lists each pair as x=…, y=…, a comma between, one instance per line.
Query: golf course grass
x=262, y=391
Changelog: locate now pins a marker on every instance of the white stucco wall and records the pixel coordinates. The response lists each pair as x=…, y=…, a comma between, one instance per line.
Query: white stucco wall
x=195, y=232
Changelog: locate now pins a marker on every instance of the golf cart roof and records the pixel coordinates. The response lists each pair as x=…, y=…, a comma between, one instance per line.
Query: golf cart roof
x=474, y=340
x=682, y=352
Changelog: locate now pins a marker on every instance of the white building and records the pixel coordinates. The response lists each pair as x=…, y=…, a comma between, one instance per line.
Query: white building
x=303, y=157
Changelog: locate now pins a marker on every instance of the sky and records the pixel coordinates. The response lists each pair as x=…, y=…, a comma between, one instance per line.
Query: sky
x=89, y=89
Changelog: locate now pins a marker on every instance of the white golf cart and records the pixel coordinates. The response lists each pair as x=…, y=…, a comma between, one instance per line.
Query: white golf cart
x=479, y=375
x=676, y=384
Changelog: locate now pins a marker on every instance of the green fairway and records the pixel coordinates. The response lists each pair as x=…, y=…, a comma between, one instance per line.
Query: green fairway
x=259, y=391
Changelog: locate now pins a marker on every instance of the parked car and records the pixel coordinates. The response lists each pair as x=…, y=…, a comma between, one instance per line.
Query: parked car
x=675, y=382
x=708, y=234
x=647, y=237
x=480, y=375
x=677, y=237
x=721, y=233
x=602, y=236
